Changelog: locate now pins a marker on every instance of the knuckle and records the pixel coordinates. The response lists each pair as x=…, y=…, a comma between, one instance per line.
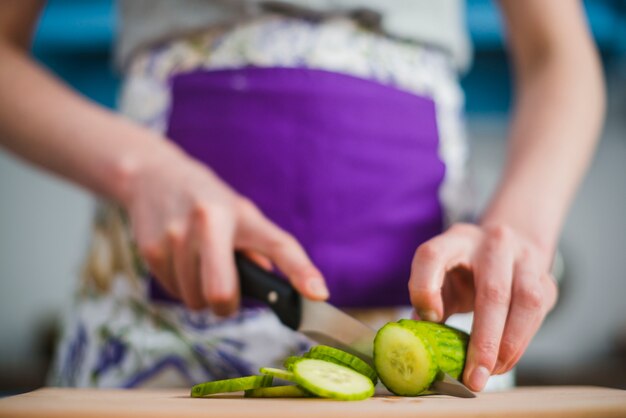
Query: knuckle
x=462, y=228
x=211, y=216
x=508, y=348
x=152, y=253
x=278, y=244
x=200, y=212
x=499, y=234
x=428, y=253
x=205, y=211
x=175, y=234
x=526, y=254
x=552, y=294
x=245, y=207
x=495, y=293
x=531, y=297
x=487, y=349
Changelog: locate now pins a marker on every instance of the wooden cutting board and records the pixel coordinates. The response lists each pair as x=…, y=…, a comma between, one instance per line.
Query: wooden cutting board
x=565, y=401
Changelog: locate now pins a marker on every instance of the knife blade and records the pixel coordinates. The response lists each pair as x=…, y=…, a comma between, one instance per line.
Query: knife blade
x=321, y=321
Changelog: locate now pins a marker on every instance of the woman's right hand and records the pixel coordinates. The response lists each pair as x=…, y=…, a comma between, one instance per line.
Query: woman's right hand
x=187, y=224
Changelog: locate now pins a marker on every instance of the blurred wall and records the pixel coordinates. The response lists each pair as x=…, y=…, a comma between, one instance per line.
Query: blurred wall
x=44, y=222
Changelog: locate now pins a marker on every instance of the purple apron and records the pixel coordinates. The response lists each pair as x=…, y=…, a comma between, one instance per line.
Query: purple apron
x=349, y=166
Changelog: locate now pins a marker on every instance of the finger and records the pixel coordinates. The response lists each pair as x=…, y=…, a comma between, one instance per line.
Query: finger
x=493, y=276
x=160, y=266
x=260, y=234
x=185, y=261
x=458, y=291
x=260, y=260
x=525, y=311
x=219, y=282
x=532, y=300
x=431, y=261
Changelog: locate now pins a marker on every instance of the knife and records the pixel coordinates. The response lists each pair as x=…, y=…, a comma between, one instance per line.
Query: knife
x=320, y=321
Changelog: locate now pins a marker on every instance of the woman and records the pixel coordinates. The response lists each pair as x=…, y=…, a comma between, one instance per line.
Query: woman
x=325, y=143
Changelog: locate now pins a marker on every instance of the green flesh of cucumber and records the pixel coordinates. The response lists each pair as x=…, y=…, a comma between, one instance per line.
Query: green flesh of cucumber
x=277, y=373
x=404, y=360
x=334, y=355
x=230, y=385
x=289, y=361
x=330, y=380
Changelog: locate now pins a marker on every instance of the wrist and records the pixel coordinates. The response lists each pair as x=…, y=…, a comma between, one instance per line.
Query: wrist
x=150, y=154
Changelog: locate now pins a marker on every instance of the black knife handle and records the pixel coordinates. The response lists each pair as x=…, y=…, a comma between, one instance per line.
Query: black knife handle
x=270, y=289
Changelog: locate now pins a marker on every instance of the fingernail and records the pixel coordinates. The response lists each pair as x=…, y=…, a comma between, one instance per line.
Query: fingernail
x=318, y=288
x=428, y=315
x=479, y=377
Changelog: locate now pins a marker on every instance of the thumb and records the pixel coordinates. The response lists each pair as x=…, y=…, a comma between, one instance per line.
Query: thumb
x=428, y=271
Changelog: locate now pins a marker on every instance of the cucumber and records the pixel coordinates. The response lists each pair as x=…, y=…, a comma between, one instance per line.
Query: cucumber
x=334, y=355
x=289, y=361
x=330, y=380
x=404, y=360
x=449, y=344
x=278, y=392
x=230, y=385
x=277, y=373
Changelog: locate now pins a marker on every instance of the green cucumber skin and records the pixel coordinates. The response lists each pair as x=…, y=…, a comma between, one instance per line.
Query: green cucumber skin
x=277, y=373
x=292, y=391
x=431, y=372
x=449, y=344
x=340, y=357
x=289, y=361
x=230, y=385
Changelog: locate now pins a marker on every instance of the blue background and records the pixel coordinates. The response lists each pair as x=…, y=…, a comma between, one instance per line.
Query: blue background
x=75, y=40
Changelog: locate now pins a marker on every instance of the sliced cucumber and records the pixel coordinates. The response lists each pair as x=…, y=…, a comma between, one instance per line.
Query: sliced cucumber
x=334, y=355
x=289, y=361
x=404, y=360
x=330, y=380
x=277, y=373
x=449, y=344
x=230, y=385
x=292, y=391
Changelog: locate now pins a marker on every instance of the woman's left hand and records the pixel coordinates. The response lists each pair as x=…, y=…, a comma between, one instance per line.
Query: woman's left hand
x=495, y=272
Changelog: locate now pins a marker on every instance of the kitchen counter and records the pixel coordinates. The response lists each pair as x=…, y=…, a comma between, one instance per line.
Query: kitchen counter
x=535, y=402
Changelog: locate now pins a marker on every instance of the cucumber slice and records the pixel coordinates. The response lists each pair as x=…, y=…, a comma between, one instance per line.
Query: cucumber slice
x=334, y=355
x=330, y=380
x=289, y=361
x=404, y=360
x=449, y=344
x=277, y=373
x=292, y=391
x=230, y=385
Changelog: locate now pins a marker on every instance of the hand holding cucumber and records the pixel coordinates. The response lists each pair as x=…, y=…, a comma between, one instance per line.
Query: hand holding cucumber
x=495, y=272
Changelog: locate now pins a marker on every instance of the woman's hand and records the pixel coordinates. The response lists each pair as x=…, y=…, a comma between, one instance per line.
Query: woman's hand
x=495, y=272
x=188, y=223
